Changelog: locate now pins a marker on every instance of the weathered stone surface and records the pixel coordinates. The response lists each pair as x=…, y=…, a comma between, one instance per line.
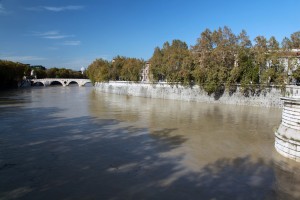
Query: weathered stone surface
x=287, y=136
x=267, y=97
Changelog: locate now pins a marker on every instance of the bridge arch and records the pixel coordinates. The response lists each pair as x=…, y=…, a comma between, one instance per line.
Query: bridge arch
x=73, y=82
x=37, y=83
x=56, y=82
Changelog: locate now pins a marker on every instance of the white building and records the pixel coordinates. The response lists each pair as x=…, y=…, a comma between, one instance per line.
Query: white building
x=145, y=73
x=82, y=70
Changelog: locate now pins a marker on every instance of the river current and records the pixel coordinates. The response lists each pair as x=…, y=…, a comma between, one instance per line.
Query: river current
x=77, y=143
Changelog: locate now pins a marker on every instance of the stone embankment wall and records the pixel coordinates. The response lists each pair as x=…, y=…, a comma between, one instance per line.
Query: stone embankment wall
x=266, y=97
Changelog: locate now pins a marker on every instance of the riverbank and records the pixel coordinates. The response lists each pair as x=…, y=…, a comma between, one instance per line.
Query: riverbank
x=264, y=97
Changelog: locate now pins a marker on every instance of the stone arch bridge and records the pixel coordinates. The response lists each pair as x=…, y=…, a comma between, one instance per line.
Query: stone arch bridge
x=63, y=81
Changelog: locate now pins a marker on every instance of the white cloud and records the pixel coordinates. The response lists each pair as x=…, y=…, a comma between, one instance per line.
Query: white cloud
x=63, y=8
x=55, y=8
x=48, y=33
x=57, y=36
x=51, y=35
x=72, y=43
x=22, y=58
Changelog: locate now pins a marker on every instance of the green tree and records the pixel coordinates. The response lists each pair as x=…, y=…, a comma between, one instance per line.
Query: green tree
x=11, y=73
x=51, y=73
x=215, y=55
x=202, y=57
x=40, y=73
x=295, y=40
x=116, y=68
x=131, y=69
x=99, y=71
x=275, y=70
x=172, y=63
x=156, y=65
x=261, y=55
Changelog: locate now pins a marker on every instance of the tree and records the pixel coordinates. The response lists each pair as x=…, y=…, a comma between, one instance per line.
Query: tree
x=215, y=55
x=11, y=73
x=286, y=44
x=202, y=57
x=98, y=71
x=116, y=68
x=156, y=65
x=131, y=69
x=172, y=63
x=51, y=73
x=243, y=62
x=275, y=70
x=295, y=40
x=40, y=73
x=260, y=54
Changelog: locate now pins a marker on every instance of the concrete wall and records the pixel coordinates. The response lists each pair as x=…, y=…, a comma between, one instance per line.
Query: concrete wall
x=267, y=97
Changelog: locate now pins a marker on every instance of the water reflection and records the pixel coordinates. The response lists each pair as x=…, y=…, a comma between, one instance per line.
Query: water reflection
x=287, y=173
x=74, y=143
x=232, y=146
x=210, y=129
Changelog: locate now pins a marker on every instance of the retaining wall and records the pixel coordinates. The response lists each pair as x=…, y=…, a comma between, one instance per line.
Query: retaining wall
x=266, y=97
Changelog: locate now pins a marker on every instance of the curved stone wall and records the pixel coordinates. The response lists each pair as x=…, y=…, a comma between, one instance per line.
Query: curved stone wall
x=287, y=137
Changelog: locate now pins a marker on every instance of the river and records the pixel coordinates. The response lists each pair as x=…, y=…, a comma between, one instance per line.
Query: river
x=77, y=143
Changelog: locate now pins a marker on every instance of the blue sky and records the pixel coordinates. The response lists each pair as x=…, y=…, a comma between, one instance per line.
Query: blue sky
x=73, y=33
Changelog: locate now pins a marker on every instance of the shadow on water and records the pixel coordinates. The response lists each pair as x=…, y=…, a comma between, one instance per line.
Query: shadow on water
x=87, y=158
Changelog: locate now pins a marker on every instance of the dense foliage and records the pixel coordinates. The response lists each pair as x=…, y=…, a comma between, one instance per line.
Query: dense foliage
x=219, y=59
x=119, y=69
x=173, y=63
x=59, y=73
x=11, y=73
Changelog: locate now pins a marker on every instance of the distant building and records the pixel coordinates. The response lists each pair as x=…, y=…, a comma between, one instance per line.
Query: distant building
x=82, y=70
x=33, y=74
x=145, y=73
x=290, y=60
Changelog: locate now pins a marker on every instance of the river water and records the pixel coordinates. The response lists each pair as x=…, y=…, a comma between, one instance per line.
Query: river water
x=77, y=143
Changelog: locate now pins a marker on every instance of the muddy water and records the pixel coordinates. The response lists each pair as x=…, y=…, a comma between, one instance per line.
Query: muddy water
x=76, y=143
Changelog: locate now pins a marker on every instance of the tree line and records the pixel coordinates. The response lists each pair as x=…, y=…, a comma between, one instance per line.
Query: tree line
x=119, y=69
x=219, y=59
x=12, y=73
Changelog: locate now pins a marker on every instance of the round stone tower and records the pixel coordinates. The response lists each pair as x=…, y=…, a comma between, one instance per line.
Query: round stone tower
x=287, y=136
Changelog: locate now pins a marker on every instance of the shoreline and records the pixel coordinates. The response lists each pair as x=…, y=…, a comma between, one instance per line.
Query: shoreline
x=268, y=96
